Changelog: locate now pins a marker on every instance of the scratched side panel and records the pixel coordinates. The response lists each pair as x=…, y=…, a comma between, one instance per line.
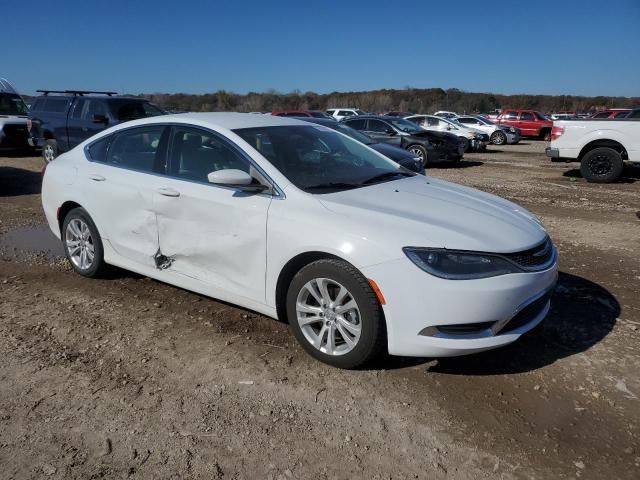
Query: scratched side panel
x=216, y=235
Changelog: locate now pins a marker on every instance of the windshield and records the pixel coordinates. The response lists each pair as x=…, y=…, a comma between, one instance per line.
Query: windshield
x=405, y=125
x=128, y=110
x=542, y=116
x=12, y=104
x=486, y=121
x=318, y=160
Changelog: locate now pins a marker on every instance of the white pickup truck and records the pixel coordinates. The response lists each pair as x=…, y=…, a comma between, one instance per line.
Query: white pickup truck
x=601, y=146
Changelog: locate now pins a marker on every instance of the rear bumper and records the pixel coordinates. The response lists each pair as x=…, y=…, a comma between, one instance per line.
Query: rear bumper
x=552, y=152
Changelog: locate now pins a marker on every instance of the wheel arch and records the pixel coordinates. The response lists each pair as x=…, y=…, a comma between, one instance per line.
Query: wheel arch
x=613, y=144
x=64, y=210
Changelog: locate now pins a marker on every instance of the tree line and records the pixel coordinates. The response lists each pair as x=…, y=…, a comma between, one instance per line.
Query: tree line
x=423, y=100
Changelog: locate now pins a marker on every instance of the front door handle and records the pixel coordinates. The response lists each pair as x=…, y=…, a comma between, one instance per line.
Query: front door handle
x=168, y=192
x=97, y=178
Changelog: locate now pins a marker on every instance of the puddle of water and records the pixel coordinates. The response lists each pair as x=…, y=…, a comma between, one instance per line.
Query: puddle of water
x=33, y=239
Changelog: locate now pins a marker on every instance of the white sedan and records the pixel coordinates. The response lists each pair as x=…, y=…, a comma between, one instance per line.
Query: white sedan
x=300, y=222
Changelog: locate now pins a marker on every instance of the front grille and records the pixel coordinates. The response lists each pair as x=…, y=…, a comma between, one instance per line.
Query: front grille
x=534, y=258
x=527, y=314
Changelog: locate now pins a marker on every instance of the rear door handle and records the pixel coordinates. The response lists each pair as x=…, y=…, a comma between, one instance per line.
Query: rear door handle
x=97, y=178
x=168, y=192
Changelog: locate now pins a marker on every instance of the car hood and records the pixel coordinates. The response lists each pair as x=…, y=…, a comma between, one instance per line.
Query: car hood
x=426, y=212
x=391, y=151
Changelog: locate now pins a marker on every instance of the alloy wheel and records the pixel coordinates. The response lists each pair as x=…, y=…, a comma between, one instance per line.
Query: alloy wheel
x=328, y=316
x=48, y=153
x=417, y=152
x=79, y=243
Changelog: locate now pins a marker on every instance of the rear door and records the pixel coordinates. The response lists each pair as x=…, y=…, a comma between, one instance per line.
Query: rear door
x=211, y=233
x=527, y=124
x=119, y=183
x=88, y=116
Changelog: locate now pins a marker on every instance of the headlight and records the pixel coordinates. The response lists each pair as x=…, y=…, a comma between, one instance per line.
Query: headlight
x=459, y=265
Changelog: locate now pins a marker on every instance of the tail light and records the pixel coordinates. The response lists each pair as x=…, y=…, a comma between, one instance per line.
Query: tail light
x=556, y=132
x=29, y=124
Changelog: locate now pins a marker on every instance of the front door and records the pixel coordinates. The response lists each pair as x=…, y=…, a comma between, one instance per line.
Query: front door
x=207, y=232
x=383, y=132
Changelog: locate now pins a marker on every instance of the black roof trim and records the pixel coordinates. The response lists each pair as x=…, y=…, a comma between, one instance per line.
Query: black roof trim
x=76, y=93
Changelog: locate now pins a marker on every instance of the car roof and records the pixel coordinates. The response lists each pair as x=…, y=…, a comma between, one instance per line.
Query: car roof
x=226, y=120
x=377, y=117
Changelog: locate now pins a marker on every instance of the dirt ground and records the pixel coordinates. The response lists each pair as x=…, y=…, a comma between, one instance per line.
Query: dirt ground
x=128, y=377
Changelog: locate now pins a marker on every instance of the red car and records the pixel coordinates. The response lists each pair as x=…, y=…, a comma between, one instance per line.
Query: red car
x=300, y=113
x=612, y=113
x=530, y=122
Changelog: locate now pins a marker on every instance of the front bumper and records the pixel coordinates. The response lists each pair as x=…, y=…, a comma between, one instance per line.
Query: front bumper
x=419, y=307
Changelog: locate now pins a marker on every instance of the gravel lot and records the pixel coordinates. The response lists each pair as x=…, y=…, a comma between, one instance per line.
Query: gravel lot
x=128, y=377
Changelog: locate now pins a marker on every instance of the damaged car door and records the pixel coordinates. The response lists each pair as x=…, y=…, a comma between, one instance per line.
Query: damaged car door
x=207, y=231
x=120, y=183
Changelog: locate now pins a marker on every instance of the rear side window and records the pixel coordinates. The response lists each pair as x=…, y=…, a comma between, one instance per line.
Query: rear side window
x=37, y=104
x=526, y=116
x=137, y=149
x=98, y=150
x=195, y=153
x=357, y=124
x=54, y=105
x=601, y=115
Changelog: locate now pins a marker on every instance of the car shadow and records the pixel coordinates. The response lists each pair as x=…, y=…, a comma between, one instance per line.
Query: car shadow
x=630, y=174
x=456, y=164
x=582, y=314
x=18, y=181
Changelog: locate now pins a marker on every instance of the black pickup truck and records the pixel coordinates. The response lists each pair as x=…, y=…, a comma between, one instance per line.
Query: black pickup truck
x=60, y=120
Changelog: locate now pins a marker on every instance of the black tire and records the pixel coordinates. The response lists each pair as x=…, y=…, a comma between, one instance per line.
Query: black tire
x=498, y=137
x=419, y=151
x=97, y=267
x=601, y=165
x=49, y=150
x=545, y=134
x=373, y=332
x=466, y=142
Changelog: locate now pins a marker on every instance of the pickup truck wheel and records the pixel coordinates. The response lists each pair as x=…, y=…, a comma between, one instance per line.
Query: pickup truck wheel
x=49, y=150
x=498, y=138
x=545, y=135
x=601, y=165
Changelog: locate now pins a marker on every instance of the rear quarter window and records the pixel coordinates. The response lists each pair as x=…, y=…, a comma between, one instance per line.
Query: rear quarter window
x=98, y=150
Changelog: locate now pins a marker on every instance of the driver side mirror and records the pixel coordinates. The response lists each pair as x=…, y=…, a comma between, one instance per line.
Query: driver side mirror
x=234, y=178
x=100, y=119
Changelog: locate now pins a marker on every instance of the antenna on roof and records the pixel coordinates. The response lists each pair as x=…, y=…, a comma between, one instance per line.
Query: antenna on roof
x=76, y=93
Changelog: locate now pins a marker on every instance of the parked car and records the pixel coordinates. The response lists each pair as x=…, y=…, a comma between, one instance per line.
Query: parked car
x=60, y=122
x=445, y=114
x=473, y=140
x=14, y=134
x=397, y=154
x=402, y=133
x=601, y=146
x=301, y=113
x=498, y=134
x=611, y=113
x=342, y=113
x=306, y=225
x=531, y=123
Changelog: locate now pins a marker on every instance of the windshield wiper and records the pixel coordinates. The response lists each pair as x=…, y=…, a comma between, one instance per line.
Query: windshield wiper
x=385, y=176
x=332, y=185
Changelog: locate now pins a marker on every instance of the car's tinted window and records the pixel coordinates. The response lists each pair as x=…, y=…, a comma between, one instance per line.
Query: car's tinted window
x=621, y=115
x=12, y=104
x=37, y=105
x=510, y=115
x=125, y=110
x=634, y=114
x=434, y=122
x=98, y=150
x=526, y=116
x=77, y=108
x=377, y=126
x=90, y=108
x=195, y=153
x=345, y=113
x=357, y=124
x=137, y=148
x=55, y=105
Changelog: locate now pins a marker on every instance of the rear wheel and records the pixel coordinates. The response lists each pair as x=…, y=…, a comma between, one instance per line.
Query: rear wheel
x=49, y=150
x=601, y=165
x=82, y=243
x=335, y=314
x=420, y=152
x=545, y=134
x=498, y=137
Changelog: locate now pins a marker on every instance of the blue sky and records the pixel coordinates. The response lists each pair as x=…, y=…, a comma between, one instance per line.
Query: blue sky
x=584, y=47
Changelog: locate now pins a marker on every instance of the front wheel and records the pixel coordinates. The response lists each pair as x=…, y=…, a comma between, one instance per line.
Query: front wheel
x=465, y=143
x=82, y=243
x=601, y=165
x=49, y=150
x=335, y=314
x=498, y=138
x=420, y=152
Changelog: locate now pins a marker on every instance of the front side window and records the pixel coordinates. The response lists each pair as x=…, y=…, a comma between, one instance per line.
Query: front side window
x=405, y=125
x=195, y=153
x=378, y=126
x=634, y=114
x=621, y=115
x=128, y=110
x=93, y=108
x=542, y=116
x=510, y=115
x=318, y=160
x=138, y=149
